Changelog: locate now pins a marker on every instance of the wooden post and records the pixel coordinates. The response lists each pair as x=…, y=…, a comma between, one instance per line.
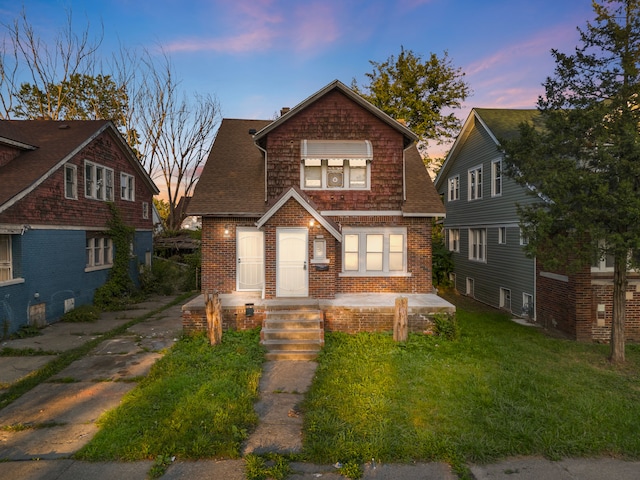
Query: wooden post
x=400, y=323
x=213, y=309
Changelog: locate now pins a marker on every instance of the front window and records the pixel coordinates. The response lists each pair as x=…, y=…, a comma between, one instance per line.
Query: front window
x=454, y=188
x=336, y=165
x=6, y=271
x=478, y=244
x=372, y=251
x=127, y=187
x=70, y=182
x=475, y=183
x=98, y=182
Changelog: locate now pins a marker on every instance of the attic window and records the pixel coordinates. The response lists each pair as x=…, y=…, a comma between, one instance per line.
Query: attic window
x=335, y=164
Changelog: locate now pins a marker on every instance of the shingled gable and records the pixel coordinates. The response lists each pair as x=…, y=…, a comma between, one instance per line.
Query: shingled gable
x=409, y=136
x=307, y=204
x=47, y=145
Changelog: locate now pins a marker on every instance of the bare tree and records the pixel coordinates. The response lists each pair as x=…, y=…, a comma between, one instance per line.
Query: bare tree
x=49, y=66
x=176, y=133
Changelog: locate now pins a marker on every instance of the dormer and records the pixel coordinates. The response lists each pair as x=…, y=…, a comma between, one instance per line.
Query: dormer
x=10, y=149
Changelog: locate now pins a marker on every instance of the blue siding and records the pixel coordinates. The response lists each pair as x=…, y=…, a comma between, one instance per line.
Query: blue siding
x=52, y=266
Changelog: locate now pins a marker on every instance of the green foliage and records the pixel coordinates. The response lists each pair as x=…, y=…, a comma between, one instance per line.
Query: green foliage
x=119, y=290
x=164, y=209
x=26, y=331
x=446, y=326
x=418, y=92
x=83, y=313
x=351, y=470
x=196, y=402
x=442, y=258
x=584, y=163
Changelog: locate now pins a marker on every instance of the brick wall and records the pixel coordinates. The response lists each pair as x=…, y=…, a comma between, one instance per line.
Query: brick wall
x=335, y=117
x=47, y=205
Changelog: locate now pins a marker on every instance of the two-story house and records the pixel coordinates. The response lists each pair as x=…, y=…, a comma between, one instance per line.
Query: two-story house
x=482, y=230
x=57, y=179
x=331, y=199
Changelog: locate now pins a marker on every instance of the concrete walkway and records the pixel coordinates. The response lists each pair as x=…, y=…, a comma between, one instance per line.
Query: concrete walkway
x=69, y=404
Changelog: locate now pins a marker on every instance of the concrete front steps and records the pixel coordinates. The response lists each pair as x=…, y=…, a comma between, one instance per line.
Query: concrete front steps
x=293, y=334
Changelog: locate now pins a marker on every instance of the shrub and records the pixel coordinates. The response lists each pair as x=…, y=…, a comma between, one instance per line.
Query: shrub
x=83, y=313
x=446, y=326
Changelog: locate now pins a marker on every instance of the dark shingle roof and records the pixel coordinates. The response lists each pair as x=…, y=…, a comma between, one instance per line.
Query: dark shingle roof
x=232, y=182
x=422, y=197
x=53, y=142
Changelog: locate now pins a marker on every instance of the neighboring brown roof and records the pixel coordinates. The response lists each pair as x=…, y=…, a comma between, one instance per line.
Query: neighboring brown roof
x=422, y=197
x=56, y=142
x=232, y=182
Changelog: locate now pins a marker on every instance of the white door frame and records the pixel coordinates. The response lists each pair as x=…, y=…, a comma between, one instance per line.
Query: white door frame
x=258, y=284
x=299, y=267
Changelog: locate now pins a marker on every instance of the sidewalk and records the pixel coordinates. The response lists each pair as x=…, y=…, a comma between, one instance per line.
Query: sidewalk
x=70, y=402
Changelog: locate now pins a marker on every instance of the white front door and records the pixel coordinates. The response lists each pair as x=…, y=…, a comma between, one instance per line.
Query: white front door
x=292, y=279
x=250, y=260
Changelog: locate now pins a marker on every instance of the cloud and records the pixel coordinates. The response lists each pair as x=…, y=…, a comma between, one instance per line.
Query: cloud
x=260, y=25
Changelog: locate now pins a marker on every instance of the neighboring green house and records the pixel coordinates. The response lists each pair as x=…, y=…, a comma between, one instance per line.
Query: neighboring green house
x=481, y=226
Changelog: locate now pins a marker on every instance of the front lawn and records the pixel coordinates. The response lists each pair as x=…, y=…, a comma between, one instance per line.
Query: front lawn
x=502, y=389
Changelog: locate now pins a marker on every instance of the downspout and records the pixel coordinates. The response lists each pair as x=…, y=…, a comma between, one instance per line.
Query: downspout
x=265, y=201
x=404, y=174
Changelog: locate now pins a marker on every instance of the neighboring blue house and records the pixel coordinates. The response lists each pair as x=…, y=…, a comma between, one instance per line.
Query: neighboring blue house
x=482, y=225
x=57, y=179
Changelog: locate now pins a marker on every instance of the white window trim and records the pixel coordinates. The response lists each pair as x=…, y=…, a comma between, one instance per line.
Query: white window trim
x=525, y=297
x=8, y=264
x=454, y=188
x=324, y=173
x=504, y=292
x=93, y=194
x=454, y=240
x=74, y=186
x=90, y=248
x=478, y=254
x=502, y=235
x=494, y=190
x=319, y=251
x=523, y=240
x=345, y=154
x=474, y=191
x=362, y=251
x=145, y=210
x=127, y=191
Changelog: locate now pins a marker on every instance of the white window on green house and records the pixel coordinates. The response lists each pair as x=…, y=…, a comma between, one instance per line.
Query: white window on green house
x=505, y=298
x=127, y=187
x=70, y=182
x=6, y=269
x=374, y=251
x=502, y=235
x=527, y=305
x=475, y=183
x=454, y=240
x=496, y=178
x=478, y=244
x=454, y=188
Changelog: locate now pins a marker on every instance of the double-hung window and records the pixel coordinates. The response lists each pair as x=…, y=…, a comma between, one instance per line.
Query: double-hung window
x=374, y=251
x=98, y=181
x=127, y=187
x=454, y=240
x=6, y=270
x=454, y=188
x=335, y=164
x=496, y=178
x=475, y=183
x=478, y=244
x=70, y=182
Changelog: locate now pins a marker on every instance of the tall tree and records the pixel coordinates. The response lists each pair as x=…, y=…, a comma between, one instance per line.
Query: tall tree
x=585, y=162
x=421, y=93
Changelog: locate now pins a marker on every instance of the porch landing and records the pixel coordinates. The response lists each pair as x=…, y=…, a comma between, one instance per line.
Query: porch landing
x=349, y=313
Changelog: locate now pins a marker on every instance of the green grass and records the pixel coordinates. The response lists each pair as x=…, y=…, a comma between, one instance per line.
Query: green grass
x=502, y=389
x=197, y=402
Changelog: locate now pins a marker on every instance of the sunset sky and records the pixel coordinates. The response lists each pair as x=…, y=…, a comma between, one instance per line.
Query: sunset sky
x=257, y=56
